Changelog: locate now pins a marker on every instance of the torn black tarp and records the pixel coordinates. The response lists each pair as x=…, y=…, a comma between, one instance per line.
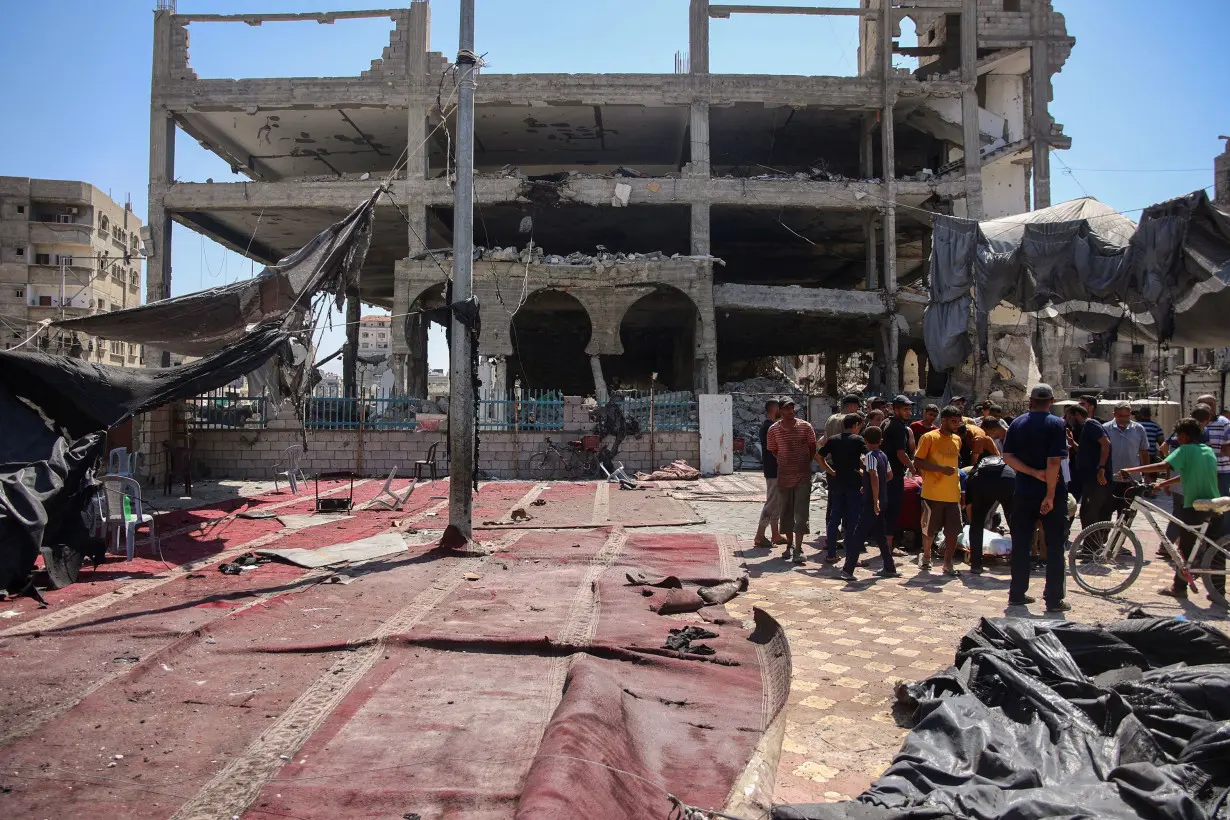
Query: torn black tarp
x=1050, y=719
x=84, y=397
x=202, y=323
x=1174, y=264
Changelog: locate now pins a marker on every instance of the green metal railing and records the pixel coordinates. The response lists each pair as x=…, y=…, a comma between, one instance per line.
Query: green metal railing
x=522, y=410
x=672, y=411
x=225, y=410
x=373, y=413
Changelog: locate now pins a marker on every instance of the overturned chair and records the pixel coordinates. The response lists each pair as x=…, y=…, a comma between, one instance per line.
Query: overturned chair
x=388, y=498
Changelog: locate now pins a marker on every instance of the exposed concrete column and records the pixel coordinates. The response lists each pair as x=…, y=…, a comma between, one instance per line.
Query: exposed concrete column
x=1040, y=93
x=600, y=393
x=869, y=231
x=831, y=365
x=969, y=109
x=888, y=149
x=161, y=172
x=350, y=357
x=409, y=333
x=698, y=37
x=698, y=128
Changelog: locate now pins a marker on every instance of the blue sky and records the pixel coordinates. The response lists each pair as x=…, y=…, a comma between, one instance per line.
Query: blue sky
x=1143, y=96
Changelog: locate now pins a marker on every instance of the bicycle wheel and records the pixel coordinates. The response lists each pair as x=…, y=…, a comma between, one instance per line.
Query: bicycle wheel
x=543, y=466
x=1100, y=573
x=1215, y=561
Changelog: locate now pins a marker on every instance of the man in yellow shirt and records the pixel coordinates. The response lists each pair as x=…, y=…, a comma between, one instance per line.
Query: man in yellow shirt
x=937, y=461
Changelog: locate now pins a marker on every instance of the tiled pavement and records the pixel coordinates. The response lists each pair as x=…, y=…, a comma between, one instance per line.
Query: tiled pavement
x=852, y=643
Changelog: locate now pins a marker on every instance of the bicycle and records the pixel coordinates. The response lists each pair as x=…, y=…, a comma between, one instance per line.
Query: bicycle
x=1109, y=551
x=573, y=461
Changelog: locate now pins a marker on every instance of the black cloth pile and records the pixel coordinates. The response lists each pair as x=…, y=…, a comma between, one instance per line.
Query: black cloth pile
x=1049, y=719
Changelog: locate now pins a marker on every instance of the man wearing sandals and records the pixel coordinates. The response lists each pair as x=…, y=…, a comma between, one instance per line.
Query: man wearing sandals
x=937, y=460
x=768, y=465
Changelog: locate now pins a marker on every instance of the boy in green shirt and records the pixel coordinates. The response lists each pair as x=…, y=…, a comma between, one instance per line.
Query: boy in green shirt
x=1196, y=465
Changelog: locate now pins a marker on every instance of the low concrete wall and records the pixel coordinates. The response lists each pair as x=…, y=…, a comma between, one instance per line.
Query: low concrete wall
x=252, y=453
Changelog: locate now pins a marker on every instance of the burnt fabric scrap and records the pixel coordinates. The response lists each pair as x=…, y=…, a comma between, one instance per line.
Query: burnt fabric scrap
x=206, y=322
x=1050, y=719
x=1090, y=262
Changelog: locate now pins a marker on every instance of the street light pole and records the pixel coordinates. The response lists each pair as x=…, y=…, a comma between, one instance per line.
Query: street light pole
x=461, y=379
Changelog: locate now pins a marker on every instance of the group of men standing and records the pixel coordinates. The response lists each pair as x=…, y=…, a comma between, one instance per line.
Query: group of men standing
x=1035, y=463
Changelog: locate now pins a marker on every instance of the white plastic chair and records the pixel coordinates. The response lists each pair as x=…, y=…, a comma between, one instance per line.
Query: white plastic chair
x=289, y=467
x=617, y=475
x=118, y=487
x=388, y=498
x=121, y=462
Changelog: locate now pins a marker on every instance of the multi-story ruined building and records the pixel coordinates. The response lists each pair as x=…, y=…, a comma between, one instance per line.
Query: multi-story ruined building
x=634, y=223
x=66, y=250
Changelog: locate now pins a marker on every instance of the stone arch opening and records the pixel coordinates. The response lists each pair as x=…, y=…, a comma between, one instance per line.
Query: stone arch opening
x=415, y=325
x=658, y=333
x=549, y=335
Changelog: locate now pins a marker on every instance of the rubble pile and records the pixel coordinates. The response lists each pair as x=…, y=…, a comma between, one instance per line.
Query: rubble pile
x=537, y=256
x=749, y=397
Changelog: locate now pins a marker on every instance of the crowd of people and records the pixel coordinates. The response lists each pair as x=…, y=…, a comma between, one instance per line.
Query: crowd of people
x=1041, y=468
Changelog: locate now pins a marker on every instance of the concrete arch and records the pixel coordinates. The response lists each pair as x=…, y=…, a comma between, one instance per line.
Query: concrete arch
x=549, y=335
x=659, y=332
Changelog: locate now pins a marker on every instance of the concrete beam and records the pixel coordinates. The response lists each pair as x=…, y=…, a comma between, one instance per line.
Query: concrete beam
x=185, y=96
x=817, y=302
x=346, y=193
x=323, y=17
x=724, y=12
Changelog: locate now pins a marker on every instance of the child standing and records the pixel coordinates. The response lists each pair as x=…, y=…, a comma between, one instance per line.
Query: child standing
x=1196, y=464
x=871, y=522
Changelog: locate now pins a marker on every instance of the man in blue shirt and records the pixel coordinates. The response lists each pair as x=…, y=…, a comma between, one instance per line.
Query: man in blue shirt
x=1036, y=445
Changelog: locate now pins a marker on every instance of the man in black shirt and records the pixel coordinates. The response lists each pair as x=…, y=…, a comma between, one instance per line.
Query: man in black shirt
x=768, y=463
x=842, y=458
x=1092, y=467
x=897, y=448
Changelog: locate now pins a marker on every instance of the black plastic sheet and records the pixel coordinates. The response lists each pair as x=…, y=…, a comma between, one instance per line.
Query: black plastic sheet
x=1174, y=264
x=1049, y=719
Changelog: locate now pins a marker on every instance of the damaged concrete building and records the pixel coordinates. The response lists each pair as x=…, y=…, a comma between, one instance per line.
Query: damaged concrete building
x=682, y=224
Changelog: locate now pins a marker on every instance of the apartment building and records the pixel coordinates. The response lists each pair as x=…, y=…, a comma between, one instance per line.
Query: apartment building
x=679, y=223
x=375, y=352
x=66, y=250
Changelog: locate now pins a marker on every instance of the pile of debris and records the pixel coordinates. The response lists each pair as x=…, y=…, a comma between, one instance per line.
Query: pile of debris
x=749, y=397
x=534, y=255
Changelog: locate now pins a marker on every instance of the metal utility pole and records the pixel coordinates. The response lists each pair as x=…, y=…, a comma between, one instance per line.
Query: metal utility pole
x=461, y=379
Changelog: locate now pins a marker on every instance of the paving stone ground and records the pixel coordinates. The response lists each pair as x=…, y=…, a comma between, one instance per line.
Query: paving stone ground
x=852, y=643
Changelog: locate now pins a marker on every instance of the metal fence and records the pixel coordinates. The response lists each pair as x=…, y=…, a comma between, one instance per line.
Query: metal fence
x=371, y=412
x=225, y=409
x=521, y=410
x=671, y=411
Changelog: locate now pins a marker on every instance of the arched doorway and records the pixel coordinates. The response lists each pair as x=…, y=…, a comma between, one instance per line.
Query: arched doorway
x=549, y=335
x=658, y=333
x=416, y=325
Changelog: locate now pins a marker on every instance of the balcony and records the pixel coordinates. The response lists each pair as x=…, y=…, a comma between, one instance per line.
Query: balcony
x=61, y=233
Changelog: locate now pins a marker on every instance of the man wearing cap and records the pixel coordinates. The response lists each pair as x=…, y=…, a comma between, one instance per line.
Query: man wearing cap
x=897, y=448
x=793, y=444
x=1035, y=447
x=959, y=403
x=850, y=403
x=1217, y=433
